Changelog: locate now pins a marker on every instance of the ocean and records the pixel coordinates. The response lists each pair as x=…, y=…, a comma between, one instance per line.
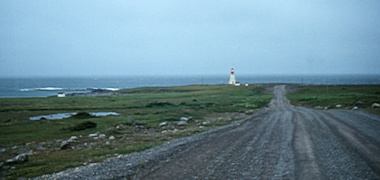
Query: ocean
x=44, y=87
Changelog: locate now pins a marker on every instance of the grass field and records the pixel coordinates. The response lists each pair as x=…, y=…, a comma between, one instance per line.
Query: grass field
x=348, y=96
x=135, y=129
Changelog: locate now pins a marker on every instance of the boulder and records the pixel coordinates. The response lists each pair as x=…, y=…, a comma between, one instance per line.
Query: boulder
x=65, y=145
x=375, y=105
x=356, y=103
x=338, y=106
x=355, y=108
x=72, y=139
x=206, y=123
x=182, y=123
x=163, y=124
x=93, y=135
x=112, y=138
x=102, y=135
x=21, y=158
x=184, y=119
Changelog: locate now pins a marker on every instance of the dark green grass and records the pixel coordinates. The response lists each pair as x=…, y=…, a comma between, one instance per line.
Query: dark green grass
x=330, y=96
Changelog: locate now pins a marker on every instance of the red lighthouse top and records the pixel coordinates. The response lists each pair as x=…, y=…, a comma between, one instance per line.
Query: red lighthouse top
x=232, y=70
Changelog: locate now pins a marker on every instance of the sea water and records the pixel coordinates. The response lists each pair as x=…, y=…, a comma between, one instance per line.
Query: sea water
x=43, y=87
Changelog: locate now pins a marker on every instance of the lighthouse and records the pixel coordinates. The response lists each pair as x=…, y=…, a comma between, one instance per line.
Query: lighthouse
x=232, y=77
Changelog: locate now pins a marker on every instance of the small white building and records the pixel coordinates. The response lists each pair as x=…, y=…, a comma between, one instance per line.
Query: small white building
x=61, y=94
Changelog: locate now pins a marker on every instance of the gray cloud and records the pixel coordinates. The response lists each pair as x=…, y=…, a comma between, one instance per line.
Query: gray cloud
x=67, y=38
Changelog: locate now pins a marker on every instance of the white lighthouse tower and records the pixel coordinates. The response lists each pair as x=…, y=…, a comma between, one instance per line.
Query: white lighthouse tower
x=232, y=77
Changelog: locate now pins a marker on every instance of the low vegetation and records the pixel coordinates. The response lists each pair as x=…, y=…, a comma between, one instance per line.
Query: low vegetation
x=336, y=97
x=148, y=117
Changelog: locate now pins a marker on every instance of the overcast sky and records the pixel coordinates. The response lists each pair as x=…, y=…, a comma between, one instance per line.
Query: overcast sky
x=188, y=37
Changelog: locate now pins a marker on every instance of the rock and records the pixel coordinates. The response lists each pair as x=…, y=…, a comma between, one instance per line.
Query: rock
x=355, y=108
x=65, y=145
x=102, y=135
x=112, y=138
x=163, y=124
x=93, y=135
x=40, y=148
x=182, y=123
x=2, y=150
x=72, y=139
x=205, y=122
x=201, y=127
x=375, y=105
x=21, y=158
x=249, y=112
x=164, y=131
x=357, y=103
x=338, y=106
x=108, y=143
x=184, y=119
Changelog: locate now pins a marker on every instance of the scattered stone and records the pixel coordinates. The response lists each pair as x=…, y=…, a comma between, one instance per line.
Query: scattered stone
x=72, y=139
x=163, y=124
x=30, y=152
x=21, y=158
x=13, y=167
x=2, y=150
x=205, y=122
x=355, y=108
x=201, y=127
x=41, y=148
x=318, y=107
x=108, y=143
x=375, y=105
x=186, y=119
x=249, y=112
x=182, y=123
x=175, y=131
x=65, y=145
x=102, y=136
x=357, y=103
x=93, y=135
x=164, y=131
x=338, y=106
x=112, y=138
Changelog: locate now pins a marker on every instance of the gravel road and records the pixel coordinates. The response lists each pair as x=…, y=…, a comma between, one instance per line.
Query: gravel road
x=279, y=142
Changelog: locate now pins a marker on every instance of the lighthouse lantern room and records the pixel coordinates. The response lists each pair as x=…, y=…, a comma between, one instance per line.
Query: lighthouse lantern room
x=232, y=77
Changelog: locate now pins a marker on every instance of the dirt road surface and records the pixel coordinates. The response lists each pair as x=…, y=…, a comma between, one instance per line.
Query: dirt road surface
x=279, y=142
